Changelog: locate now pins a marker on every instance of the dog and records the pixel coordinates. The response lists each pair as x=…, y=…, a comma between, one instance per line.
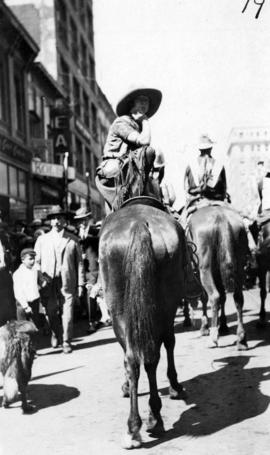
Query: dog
x=17, y=355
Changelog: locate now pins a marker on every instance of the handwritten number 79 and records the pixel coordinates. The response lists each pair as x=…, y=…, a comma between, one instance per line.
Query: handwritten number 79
x=259, y=3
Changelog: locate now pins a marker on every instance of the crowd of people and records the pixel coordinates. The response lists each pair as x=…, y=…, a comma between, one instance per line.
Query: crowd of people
x=54, y=268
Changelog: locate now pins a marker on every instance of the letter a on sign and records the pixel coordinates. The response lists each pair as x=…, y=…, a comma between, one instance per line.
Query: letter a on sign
x=60, y=141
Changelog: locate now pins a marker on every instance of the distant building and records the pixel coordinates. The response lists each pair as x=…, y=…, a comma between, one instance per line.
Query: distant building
x=248, y=147
x=17, y=52
x=63, y=30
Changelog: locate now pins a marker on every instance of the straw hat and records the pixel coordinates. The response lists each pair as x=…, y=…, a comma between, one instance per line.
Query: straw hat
x=82, y=213
x=124, y=105
x=205, y=142
x=58, y=211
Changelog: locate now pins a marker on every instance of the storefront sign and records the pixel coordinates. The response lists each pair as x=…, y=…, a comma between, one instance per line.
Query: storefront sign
x=13, y=150
x=51, y=170
x=61, y=141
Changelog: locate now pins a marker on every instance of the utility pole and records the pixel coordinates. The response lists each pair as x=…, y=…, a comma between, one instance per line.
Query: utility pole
x=88, y=183
x=65, y=180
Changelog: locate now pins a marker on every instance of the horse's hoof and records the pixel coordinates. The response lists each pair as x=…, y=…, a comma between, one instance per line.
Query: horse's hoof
x=154, y=426
x=224, y=330
x=242, y=345
x=125, y=390
x=132, y=441
x=177, y=393
x=204, y=331
x=28, y=409
x=211, y=344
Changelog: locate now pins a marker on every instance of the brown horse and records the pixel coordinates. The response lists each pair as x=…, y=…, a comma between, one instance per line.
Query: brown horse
x=263, y=262
x=222, y=248
x=142, y=259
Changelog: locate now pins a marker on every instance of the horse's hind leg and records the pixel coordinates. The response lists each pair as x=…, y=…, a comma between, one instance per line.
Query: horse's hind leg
x=132, y=438
x=154, y=422
x=204, y=321
x=241, y=334
x=213, y=295
x=263, y=293
x=175, y=389
x=223, y=328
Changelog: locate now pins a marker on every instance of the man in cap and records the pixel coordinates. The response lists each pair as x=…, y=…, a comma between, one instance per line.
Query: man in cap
x=58, y=256
x=130, y=133
x=89, y=245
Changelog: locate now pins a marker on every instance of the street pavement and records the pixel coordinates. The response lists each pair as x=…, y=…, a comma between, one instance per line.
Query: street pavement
x=80, y=410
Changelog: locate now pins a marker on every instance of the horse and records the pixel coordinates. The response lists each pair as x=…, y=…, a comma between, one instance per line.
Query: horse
x=263, y=263
x=222, y=248
x=142, y=260
x=7, y=299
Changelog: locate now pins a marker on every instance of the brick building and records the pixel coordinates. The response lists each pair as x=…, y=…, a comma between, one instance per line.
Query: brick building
x=64, y=33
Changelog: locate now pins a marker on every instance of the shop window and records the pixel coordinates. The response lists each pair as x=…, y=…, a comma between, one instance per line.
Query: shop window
x=3, y=179
x=13, y=183
x=22, y=184
x=19, y=102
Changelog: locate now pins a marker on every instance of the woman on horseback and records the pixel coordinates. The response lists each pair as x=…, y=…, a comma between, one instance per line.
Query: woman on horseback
x=130, y=134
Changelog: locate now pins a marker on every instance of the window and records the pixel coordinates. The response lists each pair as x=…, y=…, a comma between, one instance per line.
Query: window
x=64, y=75
x=83, y=59
x=74, y=42
x=22, y=184
x=76, y=97
x=90, y=25
x=3, y=89
x=94, y=121
x=92, y=74
x=79, y=156
x=62, y=22
x=86, y=110
x=3, y=179
x=13, y=186
x=19, y=102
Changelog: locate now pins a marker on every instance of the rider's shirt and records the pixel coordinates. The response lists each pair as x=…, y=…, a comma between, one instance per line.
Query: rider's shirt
x=119, y=131
x=206, y=177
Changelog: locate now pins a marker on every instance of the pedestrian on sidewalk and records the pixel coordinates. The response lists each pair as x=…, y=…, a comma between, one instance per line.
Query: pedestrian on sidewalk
x=59, y=257
x=26, y=282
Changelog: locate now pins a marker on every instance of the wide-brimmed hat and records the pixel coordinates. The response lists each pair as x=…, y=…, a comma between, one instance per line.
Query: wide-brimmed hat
x=58, y=211
x=125, y=104
x=205, y=142
x=82, y=213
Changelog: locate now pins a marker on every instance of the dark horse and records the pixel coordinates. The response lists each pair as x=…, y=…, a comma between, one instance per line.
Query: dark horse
x=142, y=261
x=7, y=299
x=263, y=262
x=221, y=240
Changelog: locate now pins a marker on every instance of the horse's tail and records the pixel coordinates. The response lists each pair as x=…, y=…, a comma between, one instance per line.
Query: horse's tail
x=226, y=255
x=140, y=292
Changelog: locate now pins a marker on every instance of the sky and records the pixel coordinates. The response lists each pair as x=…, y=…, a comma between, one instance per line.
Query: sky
x=210, y=60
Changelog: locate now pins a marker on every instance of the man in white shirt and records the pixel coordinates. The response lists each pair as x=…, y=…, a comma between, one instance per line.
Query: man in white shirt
x=59, y=257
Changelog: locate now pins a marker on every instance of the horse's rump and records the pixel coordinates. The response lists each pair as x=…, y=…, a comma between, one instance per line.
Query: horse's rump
x=222, y=246
x=141, y=259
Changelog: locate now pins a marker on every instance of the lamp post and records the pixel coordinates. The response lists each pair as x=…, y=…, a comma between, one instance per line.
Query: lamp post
x=88, y=202
x=65, y=175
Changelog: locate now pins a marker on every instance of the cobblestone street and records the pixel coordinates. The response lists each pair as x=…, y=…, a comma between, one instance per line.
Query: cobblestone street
x=80, y=409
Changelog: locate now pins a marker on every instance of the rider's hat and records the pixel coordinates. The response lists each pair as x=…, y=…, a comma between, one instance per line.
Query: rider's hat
x=205, y=142
x=82, y=213
x=56, y=210
x=125, y=104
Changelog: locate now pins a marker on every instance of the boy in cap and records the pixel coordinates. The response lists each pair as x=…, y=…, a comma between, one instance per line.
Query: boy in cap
x=26, y=287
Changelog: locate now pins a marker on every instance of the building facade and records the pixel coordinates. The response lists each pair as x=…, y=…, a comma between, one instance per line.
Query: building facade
x=64, y=33
x=17, y=52
x=248, y=147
